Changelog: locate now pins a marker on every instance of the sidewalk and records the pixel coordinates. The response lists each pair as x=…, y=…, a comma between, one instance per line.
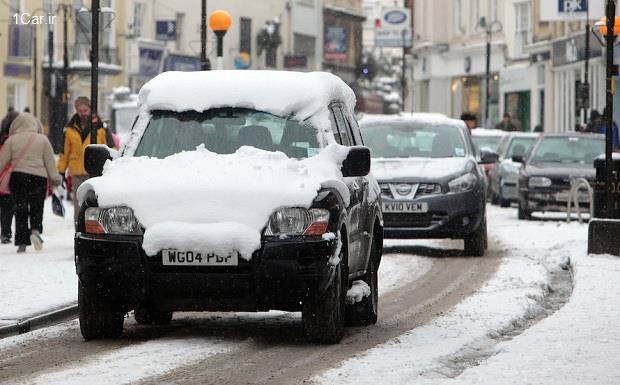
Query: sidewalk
x=37, y=282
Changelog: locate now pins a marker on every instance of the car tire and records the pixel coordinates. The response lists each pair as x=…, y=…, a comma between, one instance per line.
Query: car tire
x=145, y=316
x=494, y=198
x=476, y=242
x=323, y=315
x=364, y=313
x=504, y=202
x=98, y=319
x=523, y=214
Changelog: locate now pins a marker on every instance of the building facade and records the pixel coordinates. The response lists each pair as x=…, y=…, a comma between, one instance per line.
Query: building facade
x=342, y=31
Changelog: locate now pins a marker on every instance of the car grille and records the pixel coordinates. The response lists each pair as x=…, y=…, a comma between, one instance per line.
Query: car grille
x=412, y=220
x=423, y=189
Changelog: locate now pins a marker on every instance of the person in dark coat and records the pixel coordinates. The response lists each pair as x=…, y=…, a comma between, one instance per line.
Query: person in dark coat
x=6, y=201
x=507, y=124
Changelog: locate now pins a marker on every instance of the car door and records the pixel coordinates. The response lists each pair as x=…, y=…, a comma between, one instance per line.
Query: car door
x=356, y=191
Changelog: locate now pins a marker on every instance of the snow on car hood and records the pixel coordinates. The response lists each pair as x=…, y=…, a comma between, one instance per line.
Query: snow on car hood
x=212, y=203
x=386, y=169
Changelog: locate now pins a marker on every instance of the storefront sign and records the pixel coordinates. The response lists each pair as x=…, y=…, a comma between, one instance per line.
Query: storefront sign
x=572, y=50
x=336, y=43
x=166, y=30
x=150, y=61
x=295, y=61
x=182, y=63
x=563, y=10
x=394, y=28
x=17, y=70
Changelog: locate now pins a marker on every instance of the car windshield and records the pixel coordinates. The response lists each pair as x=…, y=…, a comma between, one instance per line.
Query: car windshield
x=519, y=146
x=568, y=150
x=223, y=131
x=491, y=142
x=402, y=140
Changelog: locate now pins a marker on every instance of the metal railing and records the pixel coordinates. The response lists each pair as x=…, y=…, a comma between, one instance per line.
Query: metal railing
x=573, y=198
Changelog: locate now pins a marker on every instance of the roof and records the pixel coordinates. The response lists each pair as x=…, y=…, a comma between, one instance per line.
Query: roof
x=300, y=95
x=573, y=134
x=488, y=132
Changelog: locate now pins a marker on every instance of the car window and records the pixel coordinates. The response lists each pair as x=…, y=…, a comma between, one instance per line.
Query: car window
x=519, y=146
x=355, y=130
x=342, y=127
x=491, y=142
x=567, y=150
x=403, y=140
x=223, y=131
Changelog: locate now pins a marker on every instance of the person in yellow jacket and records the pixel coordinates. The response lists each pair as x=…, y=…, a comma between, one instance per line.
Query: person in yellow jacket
x=77, y=137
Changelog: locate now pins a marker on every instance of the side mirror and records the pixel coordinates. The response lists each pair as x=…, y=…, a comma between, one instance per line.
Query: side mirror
x=488, y=156
x=357, y=162
x=95, y=157
x=517, y=158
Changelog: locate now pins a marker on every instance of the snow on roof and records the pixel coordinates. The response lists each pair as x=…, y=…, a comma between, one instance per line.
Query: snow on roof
x=301, y=95
x=212, y=203
x=418, y=117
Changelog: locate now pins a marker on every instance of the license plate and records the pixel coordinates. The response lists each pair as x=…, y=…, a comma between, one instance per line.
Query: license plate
x=171, y=257
x=563, y=197
x=405, y=207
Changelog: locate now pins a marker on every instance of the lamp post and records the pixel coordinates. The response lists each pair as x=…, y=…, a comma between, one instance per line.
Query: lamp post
x=220, y=21
x=205, y=65
x=94, y=68
x=494, y=26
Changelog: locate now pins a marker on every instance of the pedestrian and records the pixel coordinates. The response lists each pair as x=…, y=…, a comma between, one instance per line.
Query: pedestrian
x=77, y=138
x=506, y=124
x=32, y=158
x=538, y=128
x=602, y=129
x=6, y=201
x=470, y=120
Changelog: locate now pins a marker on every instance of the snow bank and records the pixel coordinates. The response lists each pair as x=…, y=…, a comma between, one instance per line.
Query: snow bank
x=207, y=202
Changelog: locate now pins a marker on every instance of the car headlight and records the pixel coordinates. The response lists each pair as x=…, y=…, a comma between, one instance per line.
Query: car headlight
x=298, y=221
x=463, y=183
x=113, y=220
x=539, y=181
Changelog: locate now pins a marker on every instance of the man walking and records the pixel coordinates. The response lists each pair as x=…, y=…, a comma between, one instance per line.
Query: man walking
x=77, y=137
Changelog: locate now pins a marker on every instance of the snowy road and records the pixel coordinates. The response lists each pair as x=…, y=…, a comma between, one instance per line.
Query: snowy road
x=245, y=347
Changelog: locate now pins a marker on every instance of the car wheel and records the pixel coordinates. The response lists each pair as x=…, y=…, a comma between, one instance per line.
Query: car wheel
x=502, y=202
x=475, y=243
x=98, y=319
x=365, y=312
x=152, y=317
x=494, y=198
x=523, y=213
x=323, y=316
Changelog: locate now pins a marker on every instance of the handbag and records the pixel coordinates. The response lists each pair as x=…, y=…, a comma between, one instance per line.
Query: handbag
x=5, y=175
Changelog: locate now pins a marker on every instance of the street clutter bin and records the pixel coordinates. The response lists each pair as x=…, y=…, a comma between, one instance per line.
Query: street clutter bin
x=600, y=202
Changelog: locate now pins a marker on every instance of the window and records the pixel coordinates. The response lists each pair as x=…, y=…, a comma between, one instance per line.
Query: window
x=14, y=7
x=523, y=26
x=493, y=10
x=139, y=11
x=245, y=35
x=180, y=18
x=475, y=15
x=20, y=41
x=342, y=128
x=456, y=17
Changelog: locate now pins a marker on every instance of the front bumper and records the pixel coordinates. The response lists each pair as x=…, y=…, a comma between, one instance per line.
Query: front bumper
x=448, y=216
x=278, y=276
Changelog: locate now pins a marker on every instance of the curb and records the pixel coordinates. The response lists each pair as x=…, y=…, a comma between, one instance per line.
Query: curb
x=38, y=321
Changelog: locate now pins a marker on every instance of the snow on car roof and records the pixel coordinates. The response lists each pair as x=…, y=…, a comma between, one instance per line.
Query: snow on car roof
x=418, y=117
x=300, y=95
x=480, y=131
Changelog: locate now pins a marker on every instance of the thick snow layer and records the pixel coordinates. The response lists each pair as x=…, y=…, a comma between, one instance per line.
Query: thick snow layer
x=359, y=289
x=419, y=117
x=577, y=345
x=283, y=93
x=488, y=132
x=39, y=281
x=212, y=203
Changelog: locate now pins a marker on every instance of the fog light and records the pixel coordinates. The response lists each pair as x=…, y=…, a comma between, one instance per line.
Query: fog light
x=465, y=221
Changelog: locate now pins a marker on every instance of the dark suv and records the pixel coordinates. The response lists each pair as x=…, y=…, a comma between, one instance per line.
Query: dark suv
x=308, y=256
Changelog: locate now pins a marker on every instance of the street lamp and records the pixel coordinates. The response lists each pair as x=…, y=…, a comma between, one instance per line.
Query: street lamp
x=219, y=22
x=602, y=233
x=493, y=26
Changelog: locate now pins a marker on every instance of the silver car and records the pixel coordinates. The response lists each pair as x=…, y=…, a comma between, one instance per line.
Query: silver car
x=504, y=174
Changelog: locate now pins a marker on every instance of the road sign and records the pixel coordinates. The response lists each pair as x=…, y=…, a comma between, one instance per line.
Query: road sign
x=563, y=10
x=394, y=28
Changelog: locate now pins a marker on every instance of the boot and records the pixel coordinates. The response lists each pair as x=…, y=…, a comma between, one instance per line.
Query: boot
x=21, y=248
x=36, y=240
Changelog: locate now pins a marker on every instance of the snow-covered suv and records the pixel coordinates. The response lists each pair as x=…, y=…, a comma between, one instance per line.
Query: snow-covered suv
x=237, y=190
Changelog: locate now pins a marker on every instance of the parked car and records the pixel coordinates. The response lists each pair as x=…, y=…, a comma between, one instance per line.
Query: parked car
x=431, y=183
x=504, y=174
x=197, y=213
x=547, y=170
x=487, y=138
